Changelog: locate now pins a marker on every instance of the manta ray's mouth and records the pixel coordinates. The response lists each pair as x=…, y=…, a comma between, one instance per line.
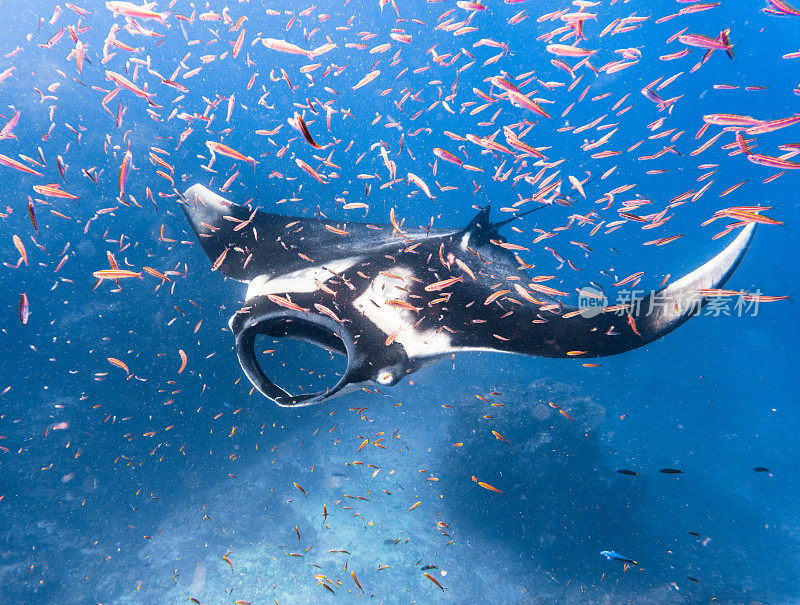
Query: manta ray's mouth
x=249, y=323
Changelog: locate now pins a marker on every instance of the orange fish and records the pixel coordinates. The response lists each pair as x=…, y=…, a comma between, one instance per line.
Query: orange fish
x=129, y=9
x=766, y=160
x=123, y=82
x=494, y=296
x=367, y=79
x=283, y=302
x=335, y=230
x=155, y=273
x=116, y=274
x=434, y=580
x=24, y=309
x=441, y=285
x=763, y=298
x=120, y=364
x=555, y=407
x=499, y=436
x=401, y=304
x=53, y=191
x=519, y=99
x=20, y=248
x=563, y=50
x=421, y=184
x=485, y=485
x=630, y=278
x=300, y=125
x=632, y=324
x=446, y=156
x=222, y=149
x=227, y=560
x=237, y=46
x=546, y=290
x=123, y=171
x=308, y=169
x=32, y=215
x=286, y=47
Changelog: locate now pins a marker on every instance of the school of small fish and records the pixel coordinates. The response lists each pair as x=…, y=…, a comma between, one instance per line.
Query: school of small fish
x=310, y=69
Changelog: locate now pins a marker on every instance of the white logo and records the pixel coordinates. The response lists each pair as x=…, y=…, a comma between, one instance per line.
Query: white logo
x=591, y=302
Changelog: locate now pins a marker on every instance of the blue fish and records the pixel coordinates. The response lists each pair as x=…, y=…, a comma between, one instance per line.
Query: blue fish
x=613, y=555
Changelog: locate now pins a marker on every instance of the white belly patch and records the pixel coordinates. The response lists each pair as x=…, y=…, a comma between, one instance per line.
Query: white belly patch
x=297, y=281
x=389, y=318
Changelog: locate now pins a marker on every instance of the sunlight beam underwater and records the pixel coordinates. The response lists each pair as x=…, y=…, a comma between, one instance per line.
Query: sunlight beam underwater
x=395, y=299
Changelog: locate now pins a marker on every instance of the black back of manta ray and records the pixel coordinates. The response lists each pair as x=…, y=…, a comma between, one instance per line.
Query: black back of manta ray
x=396, y=300
x=274, y=240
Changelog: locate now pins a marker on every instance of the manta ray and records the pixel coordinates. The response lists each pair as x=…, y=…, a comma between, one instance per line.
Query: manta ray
x=395, y=299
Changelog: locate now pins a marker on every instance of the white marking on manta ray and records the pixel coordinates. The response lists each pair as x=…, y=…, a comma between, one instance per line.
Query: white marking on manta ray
x=385, y=377
x=373, y=304
x=297, y=281
x=465, y=240
x=684, y=291
x=208, y=198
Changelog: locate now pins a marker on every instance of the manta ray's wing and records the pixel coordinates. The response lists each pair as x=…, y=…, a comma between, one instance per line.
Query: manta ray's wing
x=276, y=244
x=563, y=331
x=648, y=318
x=394, y=302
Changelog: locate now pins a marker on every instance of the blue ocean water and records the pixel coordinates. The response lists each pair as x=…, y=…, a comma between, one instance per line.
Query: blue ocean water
x=158, y=486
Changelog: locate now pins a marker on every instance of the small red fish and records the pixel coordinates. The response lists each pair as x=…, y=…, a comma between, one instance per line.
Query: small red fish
x=24, y=308
x=632, y=324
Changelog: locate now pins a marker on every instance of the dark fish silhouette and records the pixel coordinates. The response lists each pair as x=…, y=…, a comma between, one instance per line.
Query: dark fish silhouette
x=613, y=555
